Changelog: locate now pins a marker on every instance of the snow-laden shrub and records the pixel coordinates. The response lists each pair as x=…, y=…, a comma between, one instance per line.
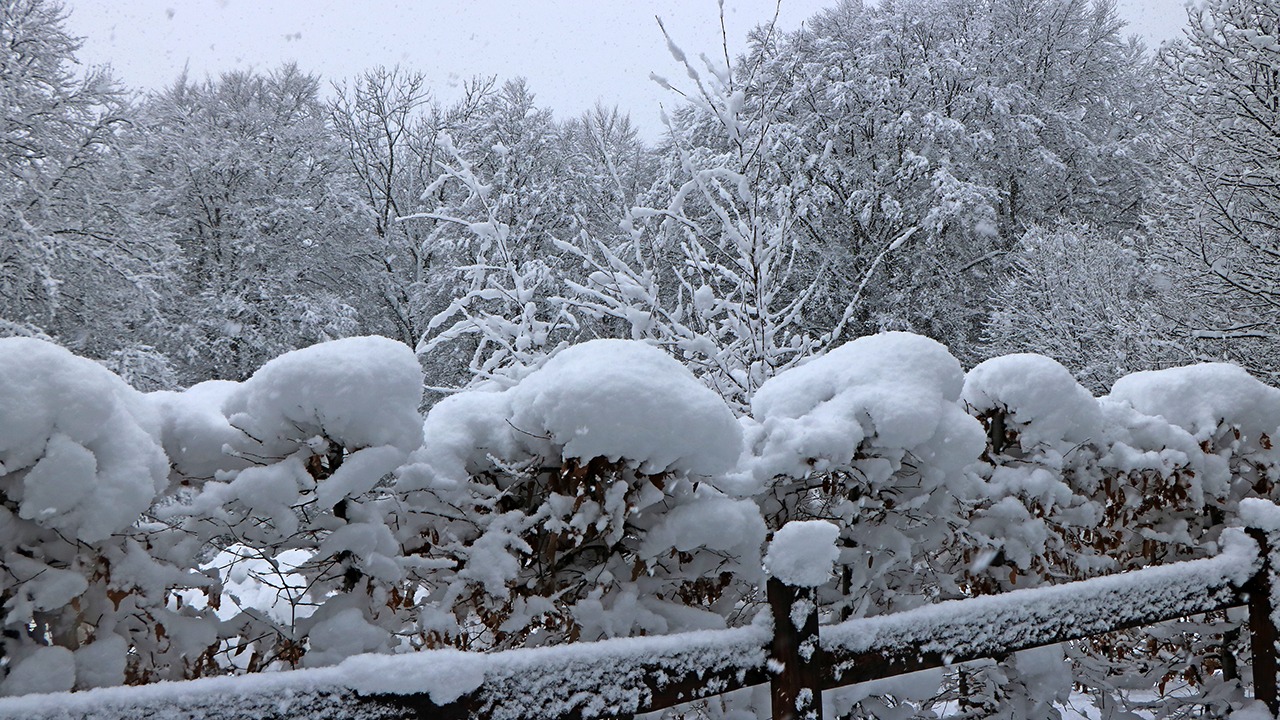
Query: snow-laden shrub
x=80, y=463
x=1228, y=414
x=579, y=504
x=1075, y=486
x=1188, y=445
x=871, y=437
x=1146, y=474
x=286, y=462
x=1039, y=476
x=1034, y=515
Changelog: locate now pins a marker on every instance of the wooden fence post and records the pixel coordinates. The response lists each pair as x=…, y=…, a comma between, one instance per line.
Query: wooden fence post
x=1262, y=628
x=796, y=657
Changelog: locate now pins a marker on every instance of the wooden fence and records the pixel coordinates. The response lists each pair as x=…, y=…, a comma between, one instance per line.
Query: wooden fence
x=804, y=658
x=794, y=655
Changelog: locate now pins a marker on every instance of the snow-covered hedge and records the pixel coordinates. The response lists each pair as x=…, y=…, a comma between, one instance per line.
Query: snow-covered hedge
x=82, y=577
x=313, y=512
x=579, y=503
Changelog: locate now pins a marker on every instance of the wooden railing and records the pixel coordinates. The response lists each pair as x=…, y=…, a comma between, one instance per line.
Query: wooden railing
x=804, y=658
x=795, y=655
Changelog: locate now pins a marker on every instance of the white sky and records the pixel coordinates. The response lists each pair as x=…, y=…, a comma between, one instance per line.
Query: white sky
x=574, y=52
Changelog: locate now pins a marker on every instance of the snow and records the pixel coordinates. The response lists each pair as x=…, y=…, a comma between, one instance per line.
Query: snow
x=1256, y=710
x=79, y=449
x=46, y=670
x=358, y=474
x=195, y=431
x=1198, y=398
x=268, y=491
x=978, y=627
x=892, y=390
x=461, y=434
x=803, y=552
x=253, y=579
x=599, y=678
x=361, y=392
x=709, y=522
x=614, y=399
x=1040, y=396
x=53, y=588
x=102, y=663
x=371, y=546
x=315, y=694
x=622, y=399
x=343, y=635
x=1261, y=514
x=840, y=702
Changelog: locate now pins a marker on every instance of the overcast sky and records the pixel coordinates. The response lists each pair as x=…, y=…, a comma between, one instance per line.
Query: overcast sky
x=574, y=52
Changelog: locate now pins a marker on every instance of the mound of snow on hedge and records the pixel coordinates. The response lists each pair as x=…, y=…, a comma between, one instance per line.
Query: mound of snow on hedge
x=361, y=392
x=1040, y=395
x=195, y=430
x=616, y=399
x=892, y=390
x=79, y=448
x=1198, y=398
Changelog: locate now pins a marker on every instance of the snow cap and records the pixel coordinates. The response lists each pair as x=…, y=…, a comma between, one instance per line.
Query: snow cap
x=616, y=399
x=803, y=553
x=1042, y=397
x=79, y=448
x=1198, y=398
x=623, y=399
x=893, y=390
x=360, y=392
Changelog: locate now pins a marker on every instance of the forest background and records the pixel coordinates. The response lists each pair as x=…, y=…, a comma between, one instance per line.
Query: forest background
x=1021, y=177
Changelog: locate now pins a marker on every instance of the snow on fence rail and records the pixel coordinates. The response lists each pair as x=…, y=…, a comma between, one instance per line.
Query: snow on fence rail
x=623, y=677
x=961, y=630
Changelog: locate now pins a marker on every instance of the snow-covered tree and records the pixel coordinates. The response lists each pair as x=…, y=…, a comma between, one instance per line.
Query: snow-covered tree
x=919, y=114
x=242, y=173
x=714, y=269
x=512, y=185
x=501, y=315
x=75, y=263
x=1088, y=299
x=389, y=129
x=1219, y=214
x=608, y=165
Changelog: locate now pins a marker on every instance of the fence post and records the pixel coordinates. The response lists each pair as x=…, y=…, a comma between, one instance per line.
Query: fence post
x=1262, y=628
x=796, y=657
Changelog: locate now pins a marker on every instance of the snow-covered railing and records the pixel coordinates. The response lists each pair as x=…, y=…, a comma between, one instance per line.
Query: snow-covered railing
x=961, y=630
x=581, y=680
x=623, y=677
x=957, y=631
